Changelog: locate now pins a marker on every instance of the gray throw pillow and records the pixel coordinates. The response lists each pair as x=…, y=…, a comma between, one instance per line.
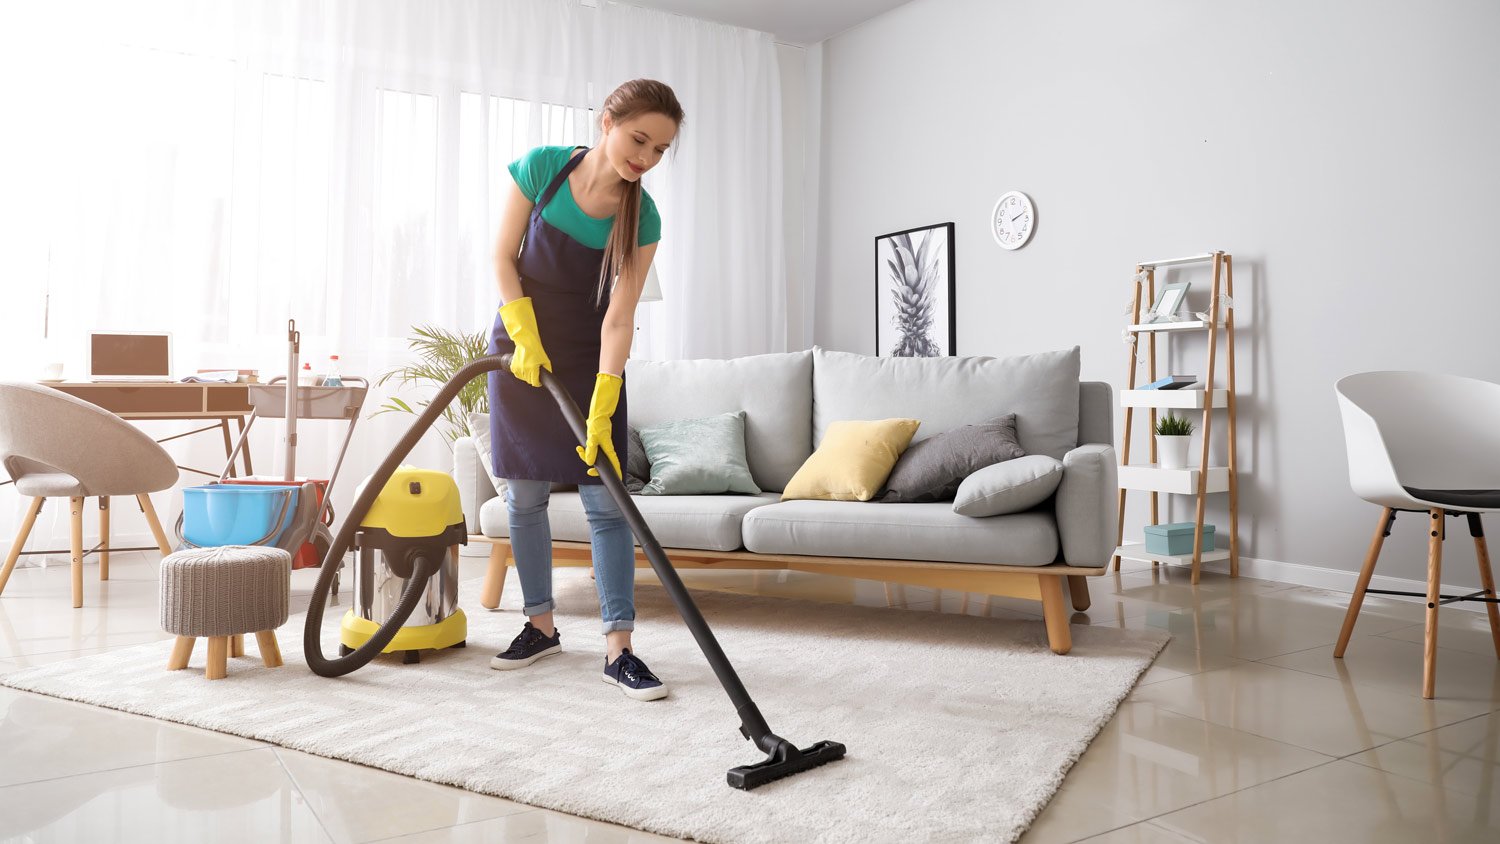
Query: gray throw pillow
x=1009, y=487
x=932, y=469
x=637, y=467
x=698, y=456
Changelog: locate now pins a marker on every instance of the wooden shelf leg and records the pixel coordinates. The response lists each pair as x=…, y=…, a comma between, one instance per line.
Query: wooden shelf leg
x=1234, y=474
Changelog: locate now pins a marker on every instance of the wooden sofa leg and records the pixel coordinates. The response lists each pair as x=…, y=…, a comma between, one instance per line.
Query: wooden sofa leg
x=1055, y=613
x=1078, y=586
x=494, y=576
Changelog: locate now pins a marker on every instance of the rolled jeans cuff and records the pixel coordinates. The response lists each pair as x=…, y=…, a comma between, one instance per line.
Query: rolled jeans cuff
x=539, y=609
x=623, y=624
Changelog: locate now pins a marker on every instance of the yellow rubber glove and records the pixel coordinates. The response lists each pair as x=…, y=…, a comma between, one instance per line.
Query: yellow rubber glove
x=601, y=408
x=520, y=323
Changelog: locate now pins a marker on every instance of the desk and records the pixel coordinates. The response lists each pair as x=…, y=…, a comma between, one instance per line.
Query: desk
x=172, y=401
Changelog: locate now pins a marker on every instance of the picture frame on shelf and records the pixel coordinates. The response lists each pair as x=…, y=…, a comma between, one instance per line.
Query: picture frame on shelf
x=914, y=292
x=1168, y=301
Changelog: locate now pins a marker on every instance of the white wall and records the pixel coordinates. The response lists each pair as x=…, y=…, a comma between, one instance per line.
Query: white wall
x=1343, y=152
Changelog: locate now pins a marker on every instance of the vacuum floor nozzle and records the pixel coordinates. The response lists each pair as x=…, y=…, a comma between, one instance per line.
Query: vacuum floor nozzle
x=783, y=762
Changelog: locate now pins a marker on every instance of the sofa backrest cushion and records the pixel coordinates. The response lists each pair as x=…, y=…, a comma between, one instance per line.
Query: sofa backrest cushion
x=775, y=391
x=949, y=392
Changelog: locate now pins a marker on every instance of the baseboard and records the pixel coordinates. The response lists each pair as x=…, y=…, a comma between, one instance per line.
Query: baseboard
x=1338, y=580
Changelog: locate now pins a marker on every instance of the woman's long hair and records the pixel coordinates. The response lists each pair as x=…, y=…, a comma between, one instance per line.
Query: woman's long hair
x=638, y=96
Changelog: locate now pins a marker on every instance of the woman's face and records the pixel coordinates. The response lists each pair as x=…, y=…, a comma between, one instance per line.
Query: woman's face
x=635, y=145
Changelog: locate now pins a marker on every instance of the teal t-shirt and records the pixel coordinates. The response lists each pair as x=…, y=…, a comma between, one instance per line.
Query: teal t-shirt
x=536, y=169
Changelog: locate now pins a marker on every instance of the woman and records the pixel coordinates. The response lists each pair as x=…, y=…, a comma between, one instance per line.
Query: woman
x=568, y=306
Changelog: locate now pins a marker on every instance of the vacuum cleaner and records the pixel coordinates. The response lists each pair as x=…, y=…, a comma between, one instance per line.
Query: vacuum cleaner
x=409, y=523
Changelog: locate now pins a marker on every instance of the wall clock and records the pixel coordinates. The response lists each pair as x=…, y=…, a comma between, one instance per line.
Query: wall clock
x=1013, y=220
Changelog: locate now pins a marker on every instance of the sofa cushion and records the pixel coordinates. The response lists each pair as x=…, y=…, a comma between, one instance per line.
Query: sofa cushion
x=852, y=460
x=704, y=522
x=637, y=467
x=1008, y=487
x=775, y=391
x=698, y=456
x=931, y=470
x=479, y=430
x=900, y=532
x=947, y=392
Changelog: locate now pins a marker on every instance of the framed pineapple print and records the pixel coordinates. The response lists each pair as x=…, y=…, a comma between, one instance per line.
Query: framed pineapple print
x=914, y=314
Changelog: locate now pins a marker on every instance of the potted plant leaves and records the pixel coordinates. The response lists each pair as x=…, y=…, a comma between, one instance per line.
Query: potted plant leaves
x=1173, y=433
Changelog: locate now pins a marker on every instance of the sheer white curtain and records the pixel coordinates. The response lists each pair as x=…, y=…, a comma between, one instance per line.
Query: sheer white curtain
x=214, y=168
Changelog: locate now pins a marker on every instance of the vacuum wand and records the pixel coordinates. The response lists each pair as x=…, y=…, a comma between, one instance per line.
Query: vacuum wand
x=782, y=757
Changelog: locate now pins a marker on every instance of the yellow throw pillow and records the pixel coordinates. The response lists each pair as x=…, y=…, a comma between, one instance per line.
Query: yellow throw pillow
x=853, y=460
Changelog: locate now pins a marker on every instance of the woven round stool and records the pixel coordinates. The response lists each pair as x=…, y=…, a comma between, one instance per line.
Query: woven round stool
x=222, y=593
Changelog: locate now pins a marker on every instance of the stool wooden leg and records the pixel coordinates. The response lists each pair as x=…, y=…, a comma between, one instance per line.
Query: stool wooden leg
x=1382, y=530
x=20, y=543
x=1434, y=594
x=237, y=645
x=76, y=509
x=1486, y=577
x=182, y=651
x=104, y=537
x=494, y=576
x=270, y=651
x=218, y=650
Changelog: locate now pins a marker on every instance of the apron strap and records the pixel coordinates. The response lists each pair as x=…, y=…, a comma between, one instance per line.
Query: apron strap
x=558, y=180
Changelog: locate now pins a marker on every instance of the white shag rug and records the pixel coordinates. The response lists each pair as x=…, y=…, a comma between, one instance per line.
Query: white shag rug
x=957, y=727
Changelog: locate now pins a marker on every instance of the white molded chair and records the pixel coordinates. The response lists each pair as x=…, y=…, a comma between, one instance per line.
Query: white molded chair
x=1425, y=443
x=54, y=445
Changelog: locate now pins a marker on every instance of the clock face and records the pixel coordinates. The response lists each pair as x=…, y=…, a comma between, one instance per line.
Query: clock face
x=1013, y=220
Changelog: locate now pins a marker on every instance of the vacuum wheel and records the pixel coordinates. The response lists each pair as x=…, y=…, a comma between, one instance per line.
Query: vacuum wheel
x=411, y=657
x=345, y=650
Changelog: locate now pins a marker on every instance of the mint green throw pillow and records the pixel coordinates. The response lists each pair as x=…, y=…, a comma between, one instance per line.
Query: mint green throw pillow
x=698, y=456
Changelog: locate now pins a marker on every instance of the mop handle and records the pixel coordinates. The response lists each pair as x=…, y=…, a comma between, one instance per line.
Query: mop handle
x=293, y=345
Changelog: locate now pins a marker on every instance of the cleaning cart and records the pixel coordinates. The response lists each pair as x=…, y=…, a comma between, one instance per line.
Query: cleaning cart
x=290, y=512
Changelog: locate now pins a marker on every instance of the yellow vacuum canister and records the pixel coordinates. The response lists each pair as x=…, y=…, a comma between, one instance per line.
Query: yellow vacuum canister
x=417, y=514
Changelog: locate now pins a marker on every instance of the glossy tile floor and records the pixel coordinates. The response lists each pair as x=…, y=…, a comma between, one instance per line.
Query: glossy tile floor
x=1245, y=729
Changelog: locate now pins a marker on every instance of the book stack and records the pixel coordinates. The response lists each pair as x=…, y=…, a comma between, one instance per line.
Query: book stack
x=1172, y=382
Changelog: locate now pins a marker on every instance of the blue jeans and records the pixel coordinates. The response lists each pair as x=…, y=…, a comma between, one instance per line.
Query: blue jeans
x=609, y=533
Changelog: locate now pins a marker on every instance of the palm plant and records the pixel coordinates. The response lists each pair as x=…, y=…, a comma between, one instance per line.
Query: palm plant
x=913, y=276
x=440, y=355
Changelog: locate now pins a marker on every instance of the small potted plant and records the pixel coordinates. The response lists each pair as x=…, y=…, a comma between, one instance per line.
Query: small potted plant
x=1173, y=433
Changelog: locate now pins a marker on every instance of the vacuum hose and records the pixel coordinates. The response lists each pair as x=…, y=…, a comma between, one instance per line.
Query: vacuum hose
x=424, y=568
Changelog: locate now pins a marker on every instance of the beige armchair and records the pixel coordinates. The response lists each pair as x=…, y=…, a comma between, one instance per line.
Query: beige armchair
x=56, y=446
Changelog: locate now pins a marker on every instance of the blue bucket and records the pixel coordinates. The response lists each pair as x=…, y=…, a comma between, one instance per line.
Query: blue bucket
x=233, y=514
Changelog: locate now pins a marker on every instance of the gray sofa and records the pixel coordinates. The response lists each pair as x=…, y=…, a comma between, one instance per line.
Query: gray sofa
x=789, y=400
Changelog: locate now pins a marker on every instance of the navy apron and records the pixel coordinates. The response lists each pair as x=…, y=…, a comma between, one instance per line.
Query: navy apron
x=529, y=438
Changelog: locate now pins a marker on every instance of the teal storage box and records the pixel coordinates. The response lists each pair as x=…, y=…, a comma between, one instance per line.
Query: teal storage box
x=1176, y=539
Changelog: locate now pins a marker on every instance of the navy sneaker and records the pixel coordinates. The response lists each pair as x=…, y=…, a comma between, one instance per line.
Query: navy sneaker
x=633, y=677
x=528, y=647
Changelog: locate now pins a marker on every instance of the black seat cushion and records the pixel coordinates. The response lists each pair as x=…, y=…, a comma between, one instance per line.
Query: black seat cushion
x=1477, y=499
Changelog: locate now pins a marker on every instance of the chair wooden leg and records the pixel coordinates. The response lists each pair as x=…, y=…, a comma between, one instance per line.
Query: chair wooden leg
x=144, y=500
x=270, y=650
x=75, y=507
x=20, y=543
x=494, y=576
x=104, y=537
x=1382, y=530
x=1434, y=594
x=237, y=645
x=1078, y=586
x=182, y=651
x=1486, y=577
x=1055, y=613
x=218, y=653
